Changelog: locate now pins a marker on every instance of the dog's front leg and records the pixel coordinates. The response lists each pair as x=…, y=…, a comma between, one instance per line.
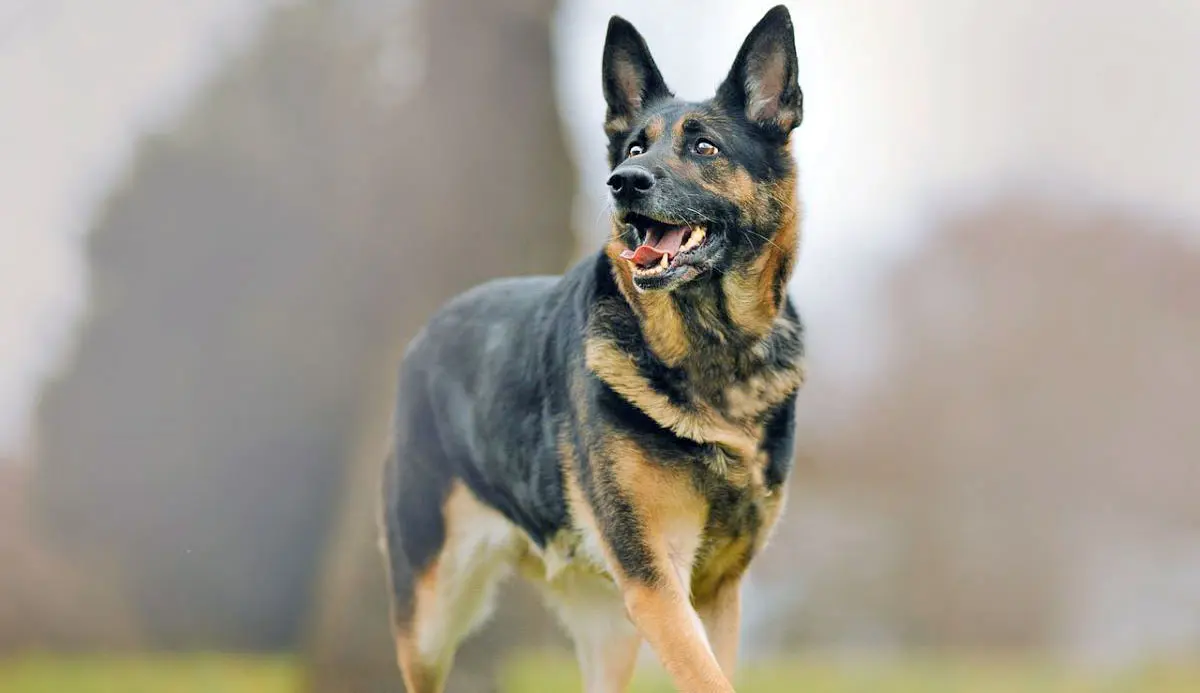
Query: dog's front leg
x=652, y=520
x=665, y=617
x=721, y=614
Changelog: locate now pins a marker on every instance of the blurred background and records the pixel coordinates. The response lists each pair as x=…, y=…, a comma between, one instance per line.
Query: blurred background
x=220, y=222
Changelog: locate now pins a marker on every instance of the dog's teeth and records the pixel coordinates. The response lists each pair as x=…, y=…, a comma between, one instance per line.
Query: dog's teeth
x=665, y=262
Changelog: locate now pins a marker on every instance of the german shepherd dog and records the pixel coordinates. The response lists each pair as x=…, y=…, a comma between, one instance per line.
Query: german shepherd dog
x=621, y=434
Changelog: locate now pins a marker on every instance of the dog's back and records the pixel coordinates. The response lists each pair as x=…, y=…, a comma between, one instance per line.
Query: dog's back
x=477, y=393
x=480, y=359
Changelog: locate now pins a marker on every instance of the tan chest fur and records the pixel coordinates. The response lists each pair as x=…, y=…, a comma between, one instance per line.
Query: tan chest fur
x=734, y=425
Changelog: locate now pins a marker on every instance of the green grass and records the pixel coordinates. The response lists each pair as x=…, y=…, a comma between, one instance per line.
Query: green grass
x=542, y=673
x=913, y=675
x=193, y=673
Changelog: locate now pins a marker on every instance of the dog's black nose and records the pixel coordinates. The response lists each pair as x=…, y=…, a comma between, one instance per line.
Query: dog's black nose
x=630, y=182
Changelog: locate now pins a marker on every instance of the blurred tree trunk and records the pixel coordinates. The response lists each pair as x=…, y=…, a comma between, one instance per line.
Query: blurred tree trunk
x=253, y=280
x=486, y=191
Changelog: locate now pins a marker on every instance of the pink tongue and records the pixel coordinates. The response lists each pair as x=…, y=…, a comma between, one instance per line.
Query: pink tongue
x=660, y=240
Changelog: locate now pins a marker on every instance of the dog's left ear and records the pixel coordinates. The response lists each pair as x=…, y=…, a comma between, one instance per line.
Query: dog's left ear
x=763, y=79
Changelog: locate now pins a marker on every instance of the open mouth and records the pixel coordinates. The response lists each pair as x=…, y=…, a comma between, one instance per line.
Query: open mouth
x=662, y=245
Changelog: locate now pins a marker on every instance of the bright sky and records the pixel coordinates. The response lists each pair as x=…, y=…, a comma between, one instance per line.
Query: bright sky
x=908, y=102
x=80, y=81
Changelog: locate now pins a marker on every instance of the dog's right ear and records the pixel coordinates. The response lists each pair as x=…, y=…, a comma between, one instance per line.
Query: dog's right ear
x=631, y=79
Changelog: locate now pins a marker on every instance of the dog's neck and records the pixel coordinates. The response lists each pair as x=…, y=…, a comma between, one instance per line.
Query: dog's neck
x=709, y=324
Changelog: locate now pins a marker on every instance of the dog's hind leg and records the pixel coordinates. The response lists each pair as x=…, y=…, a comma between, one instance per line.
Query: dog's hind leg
x=440, y=600
x=606, y=643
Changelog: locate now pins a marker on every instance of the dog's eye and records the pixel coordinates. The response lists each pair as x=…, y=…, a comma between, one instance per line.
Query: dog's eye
x=635, y=149
x=706, y=148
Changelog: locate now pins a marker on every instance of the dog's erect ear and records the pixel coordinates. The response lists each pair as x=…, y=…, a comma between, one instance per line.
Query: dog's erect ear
x=631, y=79
x=763, y=78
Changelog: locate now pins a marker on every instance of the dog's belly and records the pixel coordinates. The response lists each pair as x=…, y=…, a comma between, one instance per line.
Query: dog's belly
x=569, y=556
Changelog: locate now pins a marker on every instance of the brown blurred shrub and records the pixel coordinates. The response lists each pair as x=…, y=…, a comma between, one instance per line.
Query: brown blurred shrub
x=1031, y=417
x=46, y=600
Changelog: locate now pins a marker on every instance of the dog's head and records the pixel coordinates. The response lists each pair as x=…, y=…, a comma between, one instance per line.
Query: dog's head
x=700, y=189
